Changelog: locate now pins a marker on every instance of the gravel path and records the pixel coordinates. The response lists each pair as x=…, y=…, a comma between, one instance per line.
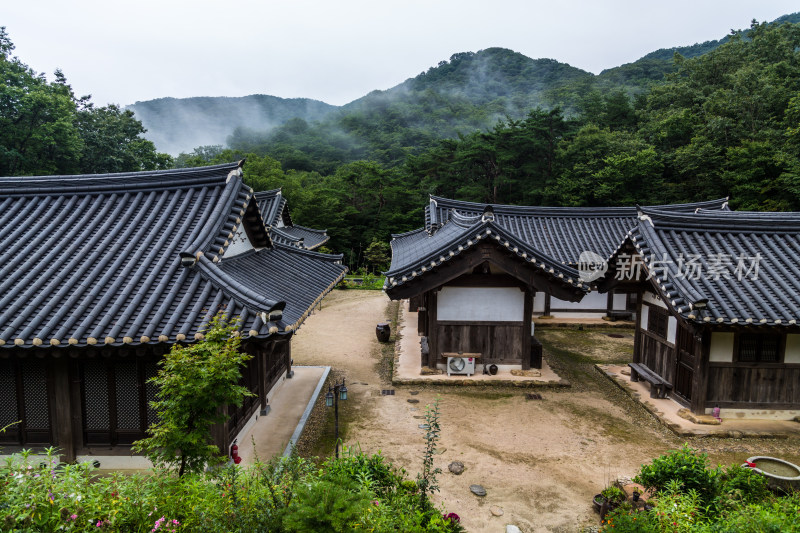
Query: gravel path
x=541, y=461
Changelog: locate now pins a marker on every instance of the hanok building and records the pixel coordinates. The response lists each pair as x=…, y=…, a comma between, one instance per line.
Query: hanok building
x=719, y=308
x=477, y=273
x=103, y=274
x=569, y=235
x=277, y=218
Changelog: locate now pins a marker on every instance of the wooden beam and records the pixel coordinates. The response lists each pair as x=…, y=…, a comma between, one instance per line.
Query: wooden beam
x=465, y=262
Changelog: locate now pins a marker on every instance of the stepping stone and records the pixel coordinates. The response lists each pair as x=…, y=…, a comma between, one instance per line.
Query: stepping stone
x=478, y=490
x=411, y=400
x=456, y=467
x=419, y=417
x=496, y=511
x=424, y=426
x=414, y=392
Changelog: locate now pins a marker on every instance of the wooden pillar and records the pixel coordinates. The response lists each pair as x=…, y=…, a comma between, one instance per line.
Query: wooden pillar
x=547, y=304
x=219, y=432
x=76, y=402
x=637, y=343
x=433, y=344
x=609, y=302
x=287, y=350
x=526, y=329
x=700, y=374
x=262, y=353
x=63, y=408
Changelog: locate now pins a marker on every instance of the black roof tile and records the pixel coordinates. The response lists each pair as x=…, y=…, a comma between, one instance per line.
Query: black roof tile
x=728, y=246
x=562, y=233
x=97, y=259
x=276, y=215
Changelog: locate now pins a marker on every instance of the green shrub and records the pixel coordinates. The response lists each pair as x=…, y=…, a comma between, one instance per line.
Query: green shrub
x=355, y=493
x=327, y=506
x=781, y=515
x=684, y=466
x=741, y=484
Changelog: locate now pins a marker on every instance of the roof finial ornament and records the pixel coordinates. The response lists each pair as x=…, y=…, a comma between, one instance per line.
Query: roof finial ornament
x=488, y=214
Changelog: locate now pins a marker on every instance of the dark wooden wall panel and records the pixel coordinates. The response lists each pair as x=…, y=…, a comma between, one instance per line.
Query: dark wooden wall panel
x=498, y=343
x=764, y=386
x=658, y=356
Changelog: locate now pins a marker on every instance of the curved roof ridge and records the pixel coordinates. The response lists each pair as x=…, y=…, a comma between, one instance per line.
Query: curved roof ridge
x=407, y=233
x=121, y=181
x=310, y=253
x=500, y=209
x=210, y=271
x=462, y=219
x=725, y=221
x=312, y=230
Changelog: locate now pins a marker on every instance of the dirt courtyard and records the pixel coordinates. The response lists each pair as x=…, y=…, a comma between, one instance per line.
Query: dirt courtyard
x=541, y=461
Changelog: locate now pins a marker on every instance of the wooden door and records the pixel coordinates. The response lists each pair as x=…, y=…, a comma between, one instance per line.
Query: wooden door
x=685, y=348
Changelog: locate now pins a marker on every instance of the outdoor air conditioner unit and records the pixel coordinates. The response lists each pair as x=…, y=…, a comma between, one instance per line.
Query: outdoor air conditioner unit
x=460, y=365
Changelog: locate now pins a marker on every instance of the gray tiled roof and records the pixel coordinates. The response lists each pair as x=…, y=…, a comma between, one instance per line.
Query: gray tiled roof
x=560, y=232
x=97, y=259
x=276, y=211
x=306, y=275
x=720, y=242
x=301, y=236
x=273, y=207
x=417, y=252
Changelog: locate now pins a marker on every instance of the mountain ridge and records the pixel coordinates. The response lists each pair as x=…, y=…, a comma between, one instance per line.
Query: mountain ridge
x=489, y=84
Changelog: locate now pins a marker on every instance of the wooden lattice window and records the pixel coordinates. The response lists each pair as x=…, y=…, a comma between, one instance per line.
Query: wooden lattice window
x=759, y=348
x=657, y=321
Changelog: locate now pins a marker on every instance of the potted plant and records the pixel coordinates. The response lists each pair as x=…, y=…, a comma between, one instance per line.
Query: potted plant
x=611, y=496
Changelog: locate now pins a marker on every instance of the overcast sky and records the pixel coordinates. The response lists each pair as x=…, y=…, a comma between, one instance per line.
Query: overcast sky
x=337, y=50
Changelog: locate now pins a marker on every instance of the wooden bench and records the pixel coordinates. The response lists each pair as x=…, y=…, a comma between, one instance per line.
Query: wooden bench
x=619, y=315
x=658, y=385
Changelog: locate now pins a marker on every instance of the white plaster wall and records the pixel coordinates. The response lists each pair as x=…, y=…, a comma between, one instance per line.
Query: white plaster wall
x=721, y=350
x=672, y=328
x=593, y=300
x=792, y=349
x=497, y=304
x=644, y=317
x=239, y=244
x=620, y=302
x=538, y=302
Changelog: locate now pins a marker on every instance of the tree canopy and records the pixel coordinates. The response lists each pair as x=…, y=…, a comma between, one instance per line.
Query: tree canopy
x=45, y=129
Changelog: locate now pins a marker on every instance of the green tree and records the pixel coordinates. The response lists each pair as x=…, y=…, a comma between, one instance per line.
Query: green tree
x=37, y=130
x=377, y=255
x=195, y=384
x=45, y=129
x=113, y=142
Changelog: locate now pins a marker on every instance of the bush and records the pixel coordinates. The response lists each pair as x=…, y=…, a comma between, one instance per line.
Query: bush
x=355, y=493
x=685, y=466
x=741, y=484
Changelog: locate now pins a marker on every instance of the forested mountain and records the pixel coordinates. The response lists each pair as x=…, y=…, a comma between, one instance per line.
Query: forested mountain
x=180, y=124
x=723, y=123
x=493, y=126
